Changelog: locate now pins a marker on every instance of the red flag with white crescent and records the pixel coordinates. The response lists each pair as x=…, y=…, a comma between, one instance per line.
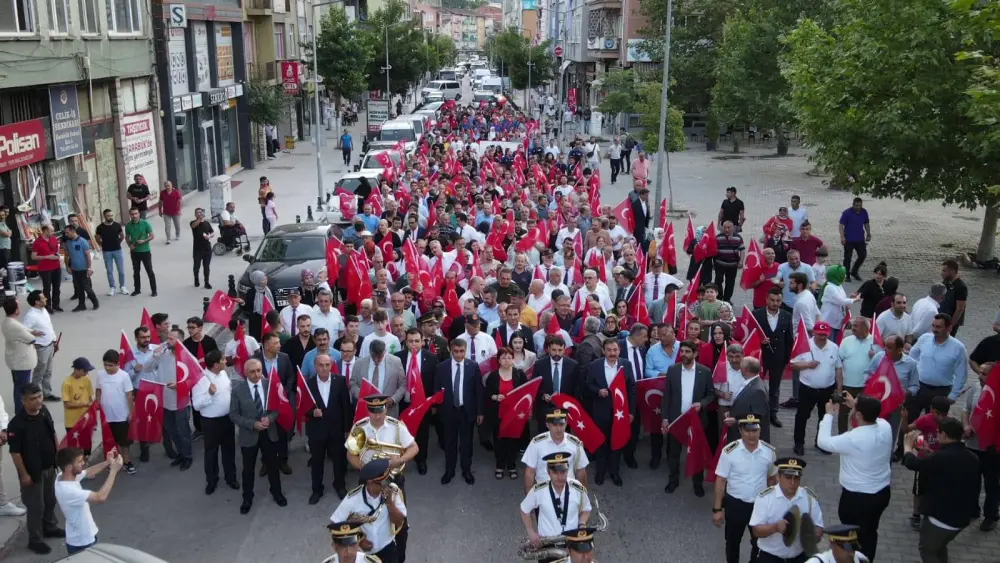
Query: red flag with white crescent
x=752, y=266
x=304, y=400
x=699, y=454
x=242, y=351
x=367, y=389
x=664, y=205
x=220, y=309
x=749, y=323
x=579, y=422
x=414, y=384
x=81, y=435
x=413, y=416
x=668, y=249
x=877, y=339
x=689, y=234
x=719, y=374
x=147, y=321
x=516, y=408
x=621, y=426
x=147, y=419
x=691, y=297
x=801, y=345
x=265, y=308
x=623, y=211
x=348, y=205
x=107, y=437
x=708, y=246
x=649, y=393
x=125, y=354
x=277, y=400
x=189, y=373
x=984, y=419
x=752, y=344
x=884, y=385
x=670, y=310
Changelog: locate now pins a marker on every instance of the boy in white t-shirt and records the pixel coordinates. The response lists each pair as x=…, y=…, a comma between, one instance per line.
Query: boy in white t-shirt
x=115, y=394
x=74, y=500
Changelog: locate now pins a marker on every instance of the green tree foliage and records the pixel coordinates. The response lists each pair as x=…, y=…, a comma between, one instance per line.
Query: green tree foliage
x=407, y=55
x=463, y=4
x=342, y=56
x=650, y=95
x=882, y=96
x=515, y=50
x=621, y=93
x=267, y=102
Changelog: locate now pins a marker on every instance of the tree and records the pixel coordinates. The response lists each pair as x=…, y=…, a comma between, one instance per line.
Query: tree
x=621, y=94
x=648, y=107
x=515, y=50
x=342, y=57
x=882, y=97
x=407, y=57
x=267, y=102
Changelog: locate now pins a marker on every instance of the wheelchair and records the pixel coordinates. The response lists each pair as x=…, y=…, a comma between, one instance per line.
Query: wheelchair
x=230, y=238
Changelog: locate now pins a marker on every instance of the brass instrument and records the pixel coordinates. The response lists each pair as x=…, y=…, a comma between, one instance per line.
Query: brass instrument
x=554, y=547
x=359, y=444
x=388, y=491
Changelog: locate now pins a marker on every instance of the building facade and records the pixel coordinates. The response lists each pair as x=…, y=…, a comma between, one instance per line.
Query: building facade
x=78, y=110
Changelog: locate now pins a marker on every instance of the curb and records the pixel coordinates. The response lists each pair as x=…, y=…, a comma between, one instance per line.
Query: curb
x=8, y=545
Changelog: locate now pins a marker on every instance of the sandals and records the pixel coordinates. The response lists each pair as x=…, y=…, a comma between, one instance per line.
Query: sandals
x=499, y=474
x=512, y=474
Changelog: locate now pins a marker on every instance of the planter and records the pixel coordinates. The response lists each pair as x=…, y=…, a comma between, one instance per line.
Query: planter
x=711, y=146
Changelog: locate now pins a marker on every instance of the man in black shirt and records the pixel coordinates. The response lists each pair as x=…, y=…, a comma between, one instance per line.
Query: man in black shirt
x=201, y=235
x=138, y=194
x=732, y=210
x=955, y=299
x=31, y=436
x=109, y=235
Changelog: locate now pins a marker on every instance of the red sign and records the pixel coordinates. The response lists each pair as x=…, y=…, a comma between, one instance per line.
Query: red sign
x=290, y=75
x=571, y=99
x=558, y=50
x=21, y=144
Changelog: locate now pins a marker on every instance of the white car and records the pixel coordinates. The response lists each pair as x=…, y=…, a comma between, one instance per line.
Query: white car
x=394, y=132
x=111, y=553
x=370, y=163
x=452, y=89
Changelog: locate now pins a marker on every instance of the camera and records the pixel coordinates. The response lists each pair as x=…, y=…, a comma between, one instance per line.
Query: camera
x=838, y=398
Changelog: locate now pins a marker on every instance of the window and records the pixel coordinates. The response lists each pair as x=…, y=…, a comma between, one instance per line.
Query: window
x=59, y=16
x=279, y=41
x=124, y=16
x=88, y=16
x=289, y=249
x=16, y=16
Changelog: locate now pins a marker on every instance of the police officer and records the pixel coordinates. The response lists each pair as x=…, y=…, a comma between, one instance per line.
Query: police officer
x=555, y=440
x=380, y=500
x=387, y=430
x=746, y=467
x=562, y=502
x=767, y=522
x=346, y=538
x=843, y=546
x=580, y=545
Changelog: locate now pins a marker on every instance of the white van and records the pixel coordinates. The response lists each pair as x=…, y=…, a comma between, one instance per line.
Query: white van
x=419, y=121
x=493, y=84
x=479, y=74
x=395, y=131
x=451, y=89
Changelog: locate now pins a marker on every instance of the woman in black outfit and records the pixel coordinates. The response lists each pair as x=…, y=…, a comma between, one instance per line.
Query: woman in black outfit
x=873, y=291
x=499, y=384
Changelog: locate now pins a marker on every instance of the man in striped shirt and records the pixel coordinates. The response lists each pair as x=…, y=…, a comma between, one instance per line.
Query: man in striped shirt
x=728, y=260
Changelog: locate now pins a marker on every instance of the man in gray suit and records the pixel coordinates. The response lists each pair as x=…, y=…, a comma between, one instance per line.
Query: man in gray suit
x=382, y=370
x=752, y=398
x=258, y=429
x=698, y=378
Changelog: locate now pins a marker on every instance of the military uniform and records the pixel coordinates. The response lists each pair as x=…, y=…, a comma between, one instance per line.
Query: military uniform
x=746, y=473
x=827, y=557
x=552, y=522
x=379, y=531
x=842, y=537
x=771, y=505
x=580, y=540
x=359, y=558
x=543, y=445
x=348, y=534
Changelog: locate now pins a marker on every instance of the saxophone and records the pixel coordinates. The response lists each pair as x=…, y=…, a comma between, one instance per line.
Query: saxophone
x=554, y=547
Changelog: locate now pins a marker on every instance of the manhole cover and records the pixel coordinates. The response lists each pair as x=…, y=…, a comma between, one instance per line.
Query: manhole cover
x=280, y=167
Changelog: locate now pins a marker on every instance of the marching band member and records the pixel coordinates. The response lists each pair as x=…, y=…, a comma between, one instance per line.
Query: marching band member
x=580, y=545
x=767, y=522
x=555, y=440
x=843, y=546
x=379, y=501
x=746, y=467
x=562, y=503
x=346, y=538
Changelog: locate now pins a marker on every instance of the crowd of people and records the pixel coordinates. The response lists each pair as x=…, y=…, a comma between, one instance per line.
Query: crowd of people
x=484, y=269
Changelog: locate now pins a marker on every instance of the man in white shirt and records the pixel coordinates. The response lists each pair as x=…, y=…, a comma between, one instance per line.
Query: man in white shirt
x=895, y=320
x=552, y=149
x=392, y=344
x=211, y=397
x=924, y=310
x=805, y=308
x=591, y=287
x=538, y=300
x=657, y=282
x=569, y=232
x=798, y=215
x=865, y=472
x=115, y=395
x=564, y=188
x=324, y=315
x=475, y=291
x=446, y=258
x=232, y=350
x=37, y=320
x=479, y=345
x=467, y=231
x=74, y=500
x=820, y=374
x=290, y=315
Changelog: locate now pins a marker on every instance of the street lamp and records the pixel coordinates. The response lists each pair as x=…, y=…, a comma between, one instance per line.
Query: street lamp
x=320, y=193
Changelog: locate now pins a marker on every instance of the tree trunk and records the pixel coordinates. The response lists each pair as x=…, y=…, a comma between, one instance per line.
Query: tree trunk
x=987, y=240
x=782, y=141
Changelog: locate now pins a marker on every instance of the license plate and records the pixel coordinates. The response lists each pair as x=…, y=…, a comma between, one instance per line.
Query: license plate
x=282, y=302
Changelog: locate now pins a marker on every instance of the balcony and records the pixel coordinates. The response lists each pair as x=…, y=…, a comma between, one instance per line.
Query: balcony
x=260, y=8
x=615, y=5
x=604, y=47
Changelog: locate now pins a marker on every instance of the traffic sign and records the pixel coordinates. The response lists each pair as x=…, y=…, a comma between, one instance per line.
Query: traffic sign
x=559, y=50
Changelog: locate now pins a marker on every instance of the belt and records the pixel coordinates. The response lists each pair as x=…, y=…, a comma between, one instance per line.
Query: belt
x=731, y=497
x=46, y=346
x=922, y=384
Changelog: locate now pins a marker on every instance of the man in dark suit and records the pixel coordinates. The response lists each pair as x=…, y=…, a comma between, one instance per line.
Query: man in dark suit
x=676, y=402
x=634, y=348
x=458, y=325
x=752, y=398
x=600, y=374
x=274, y=360
x=641, y=214
x=427, y=364
x=258, y=429
x=626, y=286
x=559, y=375
x=327, y=425
x=433, y=342
x=513, y=325
x=462, y=409
x=776, y=347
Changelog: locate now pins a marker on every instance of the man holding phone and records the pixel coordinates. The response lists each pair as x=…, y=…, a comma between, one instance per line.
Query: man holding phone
x=74, y=500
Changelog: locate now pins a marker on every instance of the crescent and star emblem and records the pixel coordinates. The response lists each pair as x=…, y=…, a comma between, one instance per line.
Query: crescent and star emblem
x=156, y=406
x=619, y=413
x=755, y=262
x=570, y=407
x=887, y=387
x=281, y=393
x=224, y=303
x=993, y=401
x=654, y=392
x=520, y=413
x=184, y=368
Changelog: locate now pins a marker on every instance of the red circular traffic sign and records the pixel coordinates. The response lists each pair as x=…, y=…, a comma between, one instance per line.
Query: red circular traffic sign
x=559, y=50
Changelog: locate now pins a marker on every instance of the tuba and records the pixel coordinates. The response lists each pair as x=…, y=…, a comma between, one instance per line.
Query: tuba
x=359, y=444
x=554, y=547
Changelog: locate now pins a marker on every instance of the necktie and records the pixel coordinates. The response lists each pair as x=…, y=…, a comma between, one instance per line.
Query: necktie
x=556, y=377
x=457, y=386
x=375, y=378
x=638, y=361
x=347, y=370
x=656, y=287
x=293, y=322
x=257, y=402
x=472, y=347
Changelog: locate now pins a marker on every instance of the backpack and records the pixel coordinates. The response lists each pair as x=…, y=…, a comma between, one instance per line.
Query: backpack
x=629, y=142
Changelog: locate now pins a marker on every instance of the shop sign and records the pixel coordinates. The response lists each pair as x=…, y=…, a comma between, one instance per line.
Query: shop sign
x=178, y=105
x=224, y=53
x=378, y=113
x=178, y=15
x=177, y=51
x=21, y=144
x=290, y=76
x=216, y=97
x=201, y=58
x=187, y=102
x=239, y=90
x=231, y=92
x=139, y=150
x=196, y=100
x=67, y=135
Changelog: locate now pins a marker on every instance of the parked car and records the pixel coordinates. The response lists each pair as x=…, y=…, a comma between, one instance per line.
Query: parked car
x=369, y=162
x=284, y=253
x=393, y=132
x=111, y=553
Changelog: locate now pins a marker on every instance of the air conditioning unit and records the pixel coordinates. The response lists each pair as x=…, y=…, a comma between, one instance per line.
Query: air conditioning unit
x=610, y=44
x=594, y=43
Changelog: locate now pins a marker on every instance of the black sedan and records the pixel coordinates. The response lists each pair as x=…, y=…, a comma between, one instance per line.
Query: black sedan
x=284, y=253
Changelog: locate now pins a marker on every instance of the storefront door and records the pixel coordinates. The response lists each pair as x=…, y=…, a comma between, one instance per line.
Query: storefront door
x=211, y=168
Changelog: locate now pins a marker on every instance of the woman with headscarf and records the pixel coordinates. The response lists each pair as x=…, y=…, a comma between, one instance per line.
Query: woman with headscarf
x=780, y=223
x=835, y=300
x=728, y=317
x=719, y=337
x=254, y=299
x=308, y=288
x=694, y=265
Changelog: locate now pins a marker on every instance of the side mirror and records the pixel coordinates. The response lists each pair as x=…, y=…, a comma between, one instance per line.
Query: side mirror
x=357, y=167
x=248, y=258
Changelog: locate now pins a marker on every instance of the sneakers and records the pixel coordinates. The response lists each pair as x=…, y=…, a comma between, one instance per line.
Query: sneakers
x=915, y=522
x=124, y=290
x=130, y=468
x=11, y=509
x=111, y=292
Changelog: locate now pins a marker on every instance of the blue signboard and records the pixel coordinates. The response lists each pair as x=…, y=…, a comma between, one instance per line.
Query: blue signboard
x=529, y=4
x=67, y=135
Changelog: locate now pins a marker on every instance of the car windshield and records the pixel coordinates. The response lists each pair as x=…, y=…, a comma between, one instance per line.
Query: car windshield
x=396, y=135
x=495, y=88
x=291, y=249
x=351, y=184
x=483, y=97
x=447, y=75
x=372, y=162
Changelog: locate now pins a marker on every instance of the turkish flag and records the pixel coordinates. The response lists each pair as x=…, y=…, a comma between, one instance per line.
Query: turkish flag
x=719, y=374
x=367, y=389
x=220, y=309
x=752, y=345
x=844, y=327
x=242, y=352
x=623, y=211
x=595, y=203
x=107, y=438
x=451, y=305
x=580, y=423
x=637, y=306
x=984, y=419
x=348, y=205
x=708, y=246
x=597, y=263
x=189, y=373
x=578, y=250
x=664, y=205
x=670, y=310
x=277, y=400
x=685, y=320
x=359, y=284
x=414, y=384
x=710, y=472
x=304, y=400
x=334, y=248
x=147, y=321
x=748, y=323
x=410, y=259
x=543, y=231
x=125, y=354
x=877, y=334
x=650, y=395
x=386, y=248
x=621, y=426
x=801, y=345
x=477, y=268
x=691, y=297
x=553, y=327
x=265, y=308
x=699, y=454
x=668, y=249
x=384, y=159
x=884, y=385
x=516, y=408
x=751, y=266
x=529, y=240
x=147, y=420
x=689, y=235
x=81, y=435
x=414, y=415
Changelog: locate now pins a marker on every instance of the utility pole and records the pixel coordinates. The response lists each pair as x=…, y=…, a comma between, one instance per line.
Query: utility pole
x=320, y=193
x=387, y=68
x=664, y=159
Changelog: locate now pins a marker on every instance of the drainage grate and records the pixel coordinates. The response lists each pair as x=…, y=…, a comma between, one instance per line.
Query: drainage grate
x=280, y=167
